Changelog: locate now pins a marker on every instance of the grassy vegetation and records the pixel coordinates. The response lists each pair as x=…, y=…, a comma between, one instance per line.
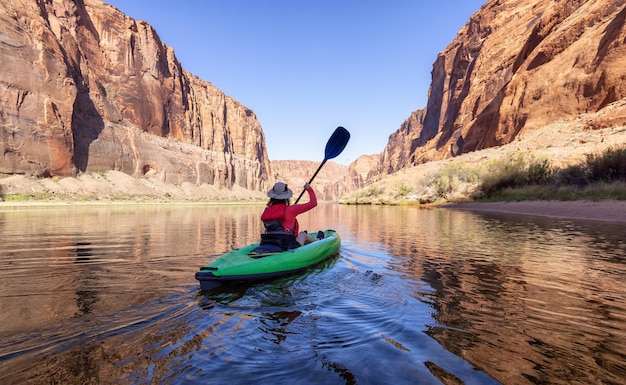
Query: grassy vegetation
x=20, y=197
x=594, y=192
x=599, y=177
x=120, y=199
x=453, y=180
x=502, y=174
x=444, y=185
x=519, y=177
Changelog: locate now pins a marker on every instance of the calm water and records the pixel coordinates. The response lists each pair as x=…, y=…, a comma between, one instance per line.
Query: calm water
x=108, y=295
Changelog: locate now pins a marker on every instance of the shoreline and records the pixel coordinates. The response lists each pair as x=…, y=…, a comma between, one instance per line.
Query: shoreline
x=607, y=210
x=10, y=205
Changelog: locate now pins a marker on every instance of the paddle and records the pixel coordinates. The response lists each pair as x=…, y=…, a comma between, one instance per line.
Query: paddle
x=334, y=147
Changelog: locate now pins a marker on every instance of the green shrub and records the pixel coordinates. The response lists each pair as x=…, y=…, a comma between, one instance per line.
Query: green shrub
x=462, y=172
x=539, y=172
x=445, y=184
x=17, y=197
x=608, y=167
x=450, y=180
x=598, y=177
x=514, y=173
x=373, y=191
x=403, y=190
x=499, y=175
x=574, y=175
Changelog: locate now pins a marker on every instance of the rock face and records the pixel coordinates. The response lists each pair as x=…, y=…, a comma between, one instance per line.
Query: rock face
x=402, y=144
x=363, y=171
x=330, y=184
x=517, y=65
x=85, y=88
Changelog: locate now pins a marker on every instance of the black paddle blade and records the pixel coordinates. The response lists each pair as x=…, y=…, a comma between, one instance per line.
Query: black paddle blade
x=337, y=142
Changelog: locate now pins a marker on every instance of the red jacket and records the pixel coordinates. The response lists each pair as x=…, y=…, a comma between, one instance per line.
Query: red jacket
x=287, y=214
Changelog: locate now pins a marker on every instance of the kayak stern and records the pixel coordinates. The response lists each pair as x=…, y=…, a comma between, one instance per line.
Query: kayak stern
x=240, y=266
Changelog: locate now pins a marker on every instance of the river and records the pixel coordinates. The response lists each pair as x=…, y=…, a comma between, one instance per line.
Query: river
x=101, y=295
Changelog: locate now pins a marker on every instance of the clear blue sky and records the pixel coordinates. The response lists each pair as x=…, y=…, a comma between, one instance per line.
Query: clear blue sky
x=308, y=66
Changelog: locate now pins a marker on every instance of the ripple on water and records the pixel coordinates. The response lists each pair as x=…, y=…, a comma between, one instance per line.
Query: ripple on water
x=416, y=296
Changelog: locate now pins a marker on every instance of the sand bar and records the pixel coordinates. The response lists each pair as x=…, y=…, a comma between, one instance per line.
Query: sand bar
x=609, y=210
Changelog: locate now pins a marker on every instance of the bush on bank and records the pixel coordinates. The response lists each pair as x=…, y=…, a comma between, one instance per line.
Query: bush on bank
x=599, y=176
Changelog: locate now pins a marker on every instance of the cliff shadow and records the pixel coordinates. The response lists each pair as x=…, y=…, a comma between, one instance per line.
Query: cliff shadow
x=482, y=133
x=87, y=124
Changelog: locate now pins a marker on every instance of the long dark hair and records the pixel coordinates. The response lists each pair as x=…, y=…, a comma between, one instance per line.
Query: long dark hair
x=274, y=201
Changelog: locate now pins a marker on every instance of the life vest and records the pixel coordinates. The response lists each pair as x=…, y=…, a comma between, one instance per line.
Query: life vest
x=272, y=219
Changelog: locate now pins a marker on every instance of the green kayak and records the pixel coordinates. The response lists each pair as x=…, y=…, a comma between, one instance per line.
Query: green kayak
x=243, y=264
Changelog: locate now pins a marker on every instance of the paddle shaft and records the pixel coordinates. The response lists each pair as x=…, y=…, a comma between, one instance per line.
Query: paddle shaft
x=311, y=180
x=335, y=145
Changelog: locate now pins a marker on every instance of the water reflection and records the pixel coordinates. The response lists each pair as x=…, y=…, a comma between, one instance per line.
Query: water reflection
x=275, y=324
x=523, y=296
x=108, y=295
x=93, y=256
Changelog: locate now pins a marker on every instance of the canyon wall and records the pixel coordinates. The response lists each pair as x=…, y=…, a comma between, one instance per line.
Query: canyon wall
x=330, y=184
x=84, y=88
x=517, y=65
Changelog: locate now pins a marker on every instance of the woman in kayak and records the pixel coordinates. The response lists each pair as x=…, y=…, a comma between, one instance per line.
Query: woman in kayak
x=279, y=218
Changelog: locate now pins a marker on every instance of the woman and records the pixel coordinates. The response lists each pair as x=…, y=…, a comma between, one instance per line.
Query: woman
x=279, y=218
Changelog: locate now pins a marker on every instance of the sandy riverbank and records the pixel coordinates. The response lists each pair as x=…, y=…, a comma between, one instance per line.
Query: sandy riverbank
x=609, y=210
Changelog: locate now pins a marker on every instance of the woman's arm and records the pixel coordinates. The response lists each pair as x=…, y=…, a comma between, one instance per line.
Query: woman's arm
x=302, y=207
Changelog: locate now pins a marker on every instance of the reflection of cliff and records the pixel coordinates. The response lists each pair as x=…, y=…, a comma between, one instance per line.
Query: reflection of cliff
x=87, y=294
x=104, y=255
x=525, y=300
x=508, y=294
x=274, y=325
x=94, y=262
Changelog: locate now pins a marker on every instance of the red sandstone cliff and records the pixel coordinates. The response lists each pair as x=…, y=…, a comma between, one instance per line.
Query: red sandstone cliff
x=85, y=88
x=330, y=184
x=515, y=66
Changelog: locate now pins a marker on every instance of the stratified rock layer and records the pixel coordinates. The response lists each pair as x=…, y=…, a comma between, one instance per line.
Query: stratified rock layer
x=516, y=66
x=330, y=184
x=85, y=88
